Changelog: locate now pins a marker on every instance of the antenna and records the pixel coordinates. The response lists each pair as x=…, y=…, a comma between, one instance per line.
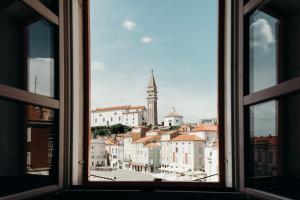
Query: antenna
x=35, y=83
x=173, y=109
x=152, y=72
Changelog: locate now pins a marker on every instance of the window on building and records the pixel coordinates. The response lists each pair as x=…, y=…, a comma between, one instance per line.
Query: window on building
x=147, y=61
x=29, y=97
x=270, y=88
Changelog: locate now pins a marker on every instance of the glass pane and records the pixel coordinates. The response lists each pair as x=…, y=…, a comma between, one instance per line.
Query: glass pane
x=288, y=12
x=28, y=146
x=154, y=91
x=28, y=50
x=263, y=30
x=51, y=4
x=263, y=140
x=40, y=140
x=41, y=57
x=274, y=150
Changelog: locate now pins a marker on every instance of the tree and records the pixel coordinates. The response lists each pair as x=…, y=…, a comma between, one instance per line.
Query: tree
x=99, y=131
x=119, y=128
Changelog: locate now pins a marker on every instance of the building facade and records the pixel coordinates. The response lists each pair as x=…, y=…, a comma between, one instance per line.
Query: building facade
x=127, y=115
x=173, y=119
x=98, y=154
x=187, y=154
x=211, y=155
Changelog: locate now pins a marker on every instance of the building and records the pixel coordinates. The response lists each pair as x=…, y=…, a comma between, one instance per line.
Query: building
x=211, y=121
x=98, y=154
x=187, y=154
x=140, y=160
x=166, y=151
x=40, y=140
x=136, y=134
x=116, y=156
x=205, y=131
x=127, y=115
x=264, y=151
x=211, y=156
x=152, y=157
x=173, y=119
x=152, y=102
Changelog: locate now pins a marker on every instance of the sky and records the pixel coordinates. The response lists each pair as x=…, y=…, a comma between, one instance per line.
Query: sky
x=175, y=38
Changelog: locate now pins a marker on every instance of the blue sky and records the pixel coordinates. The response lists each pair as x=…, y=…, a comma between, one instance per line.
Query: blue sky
x=175, y=38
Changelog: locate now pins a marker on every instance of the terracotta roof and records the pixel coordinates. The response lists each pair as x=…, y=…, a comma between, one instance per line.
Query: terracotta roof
x=137, y=107
x=187, y=138
x=152, y=145
x=168, y=132
x=265, y=140
x=145, y=139
x=206, y=127
x=126, y=107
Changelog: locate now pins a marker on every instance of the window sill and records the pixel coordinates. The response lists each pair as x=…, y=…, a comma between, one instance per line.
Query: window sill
x=32, y=193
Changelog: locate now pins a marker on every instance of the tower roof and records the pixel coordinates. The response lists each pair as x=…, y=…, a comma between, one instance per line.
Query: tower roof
x=152, y=83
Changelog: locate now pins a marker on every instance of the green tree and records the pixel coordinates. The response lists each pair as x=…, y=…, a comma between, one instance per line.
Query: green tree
x=119, y=128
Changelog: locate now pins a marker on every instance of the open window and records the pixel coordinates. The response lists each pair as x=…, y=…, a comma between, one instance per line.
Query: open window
x=30, y=100
x=155, y=87
x=269, y=86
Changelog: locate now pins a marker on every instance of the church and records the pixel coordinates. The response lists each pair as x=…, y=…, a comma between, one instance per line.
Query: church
x=128, y=115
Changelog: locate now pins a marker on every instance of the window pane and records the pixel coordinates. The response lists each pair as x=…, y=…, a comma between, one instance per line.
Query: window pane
x=274, y=147
x=263, y=30
x=288, y=13
x=28, y=146
x=41, y=58
x=274, y=42
x=28, y=50
x=263, y=140
x=154, y=91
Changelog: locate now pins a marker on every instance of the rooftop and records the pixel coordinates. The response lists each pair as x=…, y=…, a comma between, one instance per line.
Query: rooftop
x=153, y=145
x=173, y=114
x=126, y=107
x=206, y=127
x=145, y=139
x=187, y=138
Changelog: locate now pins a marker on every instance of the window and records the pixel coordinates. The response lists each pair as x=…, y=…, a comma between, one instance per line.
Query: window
x=29, y=96
x=270, y=88
x=144, y=43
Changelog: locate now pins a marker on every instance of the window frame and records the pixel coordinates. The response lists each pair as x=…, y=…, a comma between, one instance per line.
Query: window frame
x=56, y=103
x=244, y=99
x=156, y=184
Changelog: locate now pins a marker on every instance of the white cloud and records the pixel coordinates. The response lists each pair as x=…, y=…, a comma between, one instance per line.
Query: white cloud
x=98, y=65
x=262, y=35
x=128, y=24
x=146, y=40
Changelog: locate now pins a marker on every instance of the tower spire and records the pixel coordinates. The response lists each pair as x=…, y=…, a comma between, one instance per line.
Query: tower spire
x=152, y=101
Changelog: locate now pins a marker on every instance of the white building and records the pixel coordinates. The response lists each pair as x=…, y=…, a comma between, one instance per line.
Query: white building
x=187, y=154
x=173, y=119
x=204, y=131
x=212, y=162
x=152, y=157
x=141, y=153
x=166, y=151
x=116, y=156
x=127, y=115
x=98, y=154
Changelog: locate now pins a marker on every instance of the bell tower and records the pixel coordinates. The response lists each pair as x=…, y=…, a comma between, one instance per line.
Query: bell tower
x=152, y=102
